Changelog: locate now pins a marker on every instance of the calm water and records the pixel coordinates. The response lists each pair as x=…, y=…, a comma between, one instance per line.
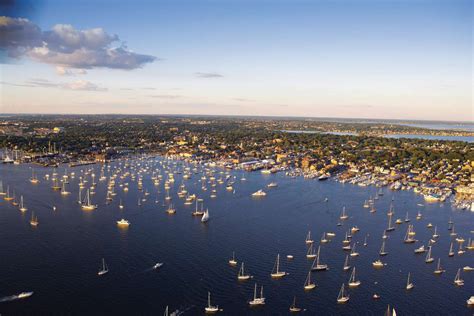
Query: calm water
x=59, y=259
x=416, y=136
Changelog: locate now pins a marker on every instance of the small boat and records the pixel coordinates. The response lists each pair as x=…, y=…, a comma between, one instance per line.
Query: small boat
x=232, y=261
x=457, y=280
x=375, y=296
x=451, y=251
x=104, y=268
x=171, y=210
x=257, y=300
x=377, y=264
x=420, y=249
x=410, y=284
x=382, y=251
x=242, y=276
x=342, y=297
x=259, y=193
x=352, y=280
x=276, y=273
x=308, y=285
x=24, y=294
x=22, y=205
x=123, y=223
x=324, y=239
x=324, y=177
x=470, y=301
x=272, y=185
x=157, y=265
x=354, y=253
x=468, y=268
x=210, y=309
x=293, y=307
x=289, y=257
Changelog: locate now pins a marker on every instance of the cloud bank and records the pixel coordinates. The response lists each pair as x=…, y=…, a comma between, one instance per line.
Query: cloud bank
x=67, y=47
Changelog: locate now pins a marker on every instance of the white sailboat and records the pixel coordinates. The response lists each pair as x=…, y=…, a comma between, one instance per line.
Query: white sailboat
x=276, y=273
x=242, y=276
x=256, y=301
x=308, y=239
x=210, y=309
x=317, y=265
x=22, y=205
x=104, y=268
x=308, y=284
x=347, y=266
x=410, y=284
x=310, y=253
x=451, y=251
x=439, y=269
x=428, y=258
x=382, y=251
x=342, y=297
x=232, y=261
x=205, y=217
x=457, y=280
x=293, y=307
x=343, y=214
x=352, y=280
x=87, y=205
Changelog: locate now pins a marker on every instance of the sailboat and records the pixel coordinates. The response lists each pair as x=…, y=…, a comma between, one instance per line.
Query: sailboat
x=1, y=188
x=293, y=307
x=34, y=220
x=310, y=253
x=406, y=218
x=435, y=234
x=56, y=186
x=420, y=249
x=7, y=195
x=232, y=261
x=354, y=253
x=451, y=251
x=317, y=266
x=382, y=251
x=104, y=268
x=344, y=215
x=352, y=280
x=409, y=285
x=87, y=205
x=308, y=285
x=257, y=300
x=63, y=189
x=33, y=178
x=439, y=270
x=324, y=238
x=429, y=259
x=457, y=280
x=22, y=205
x=205, y=217
x=276, y=273
x=210, y=309
x=347, y=266
x=390, y=227
x=242, y=276
x=409, y=235
x=308, y=239
x=196, y=211
x=121, y=205
x=342, y=298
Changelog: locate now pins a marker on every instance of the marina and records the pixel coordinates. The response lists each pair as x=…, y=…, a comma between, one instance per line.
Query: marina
x=271, y=235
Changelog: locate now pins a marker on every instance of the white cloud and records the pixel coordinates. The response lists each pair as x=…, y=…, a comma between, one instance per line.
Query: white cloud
x=63, y=71
x=208, y=75
x=67, y=47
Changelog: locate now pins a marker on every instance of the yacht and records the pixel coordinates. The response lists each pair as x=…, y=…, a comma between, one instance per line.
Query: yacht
x=257, y=300
x=276, y=273
x=24, y=294
x=377, y=264
x=468, y=268
x=123, y=222
x=272, y=185
x=420, y=249
x=259, y=193
x=470, y=301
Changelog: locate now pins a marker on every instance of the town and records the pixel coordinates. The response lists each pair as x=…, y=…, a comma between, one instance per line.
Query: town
x=437, y=169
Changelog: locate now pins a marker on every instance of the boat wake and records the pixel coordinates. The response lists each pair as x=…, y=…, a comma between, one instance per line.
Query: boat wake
x=15, y=297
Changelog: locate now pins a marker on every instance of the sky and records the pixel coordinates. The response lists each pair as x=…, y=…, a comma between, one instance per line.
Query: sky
x=386, y=59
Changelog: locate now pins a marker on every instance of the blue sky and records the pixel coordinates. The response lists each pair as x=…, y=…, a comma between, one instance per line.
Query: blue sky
x=375, y=59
